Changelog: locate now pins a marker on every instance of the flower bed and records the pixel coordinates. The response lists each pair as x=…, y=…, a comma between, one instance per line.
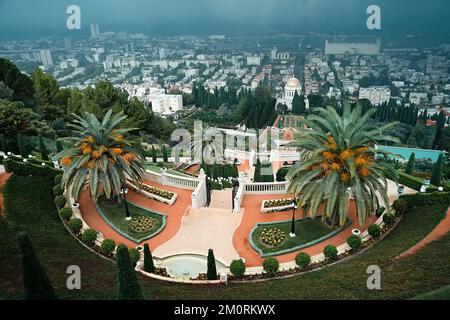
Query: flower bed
x=142, y=224
x=273, y=237
x=276, y=205
x=156, y=193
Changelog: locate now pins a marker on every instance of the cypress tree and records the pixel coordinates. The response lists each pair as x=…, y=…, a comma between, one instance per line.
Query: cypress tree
x=43, y=149
x=436, y=177
x=154, y=159
x=164, y=152
x=212, y=272
x=4, y=143
x=59, y=146
x=36, y=283
x=22, y=147
x=129, y=288
x=411, y=164
x=235, y=170
x=148, y=259
x=296, y=106
x=257, y=176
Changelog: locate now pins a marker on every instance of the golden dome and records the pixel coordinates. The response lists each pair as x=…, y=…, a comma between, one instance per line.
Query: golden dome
x=293, y=83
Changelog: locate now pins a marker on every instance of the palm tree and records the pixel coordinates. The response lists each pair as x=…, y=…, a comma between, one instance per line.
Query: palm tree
x=207, y=145
x=342, y=159
x=100, y=156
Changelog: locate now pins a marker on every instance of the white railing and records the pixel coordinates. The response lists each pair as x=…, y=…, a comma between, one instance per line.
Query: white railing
x=285, y=154
x=267, y=187
x=198, y=197
x=238, y=197
x=171, y=180
x=2, y=169
x=179, y=181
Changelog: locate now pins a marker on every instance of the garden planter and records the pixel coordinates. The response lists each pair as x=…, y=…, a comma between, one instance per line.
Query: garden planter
x=356, y=232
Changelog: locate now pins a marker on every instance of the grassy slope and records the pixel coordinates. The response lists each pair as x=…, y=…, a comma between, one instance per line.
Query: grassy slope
x=31, y=209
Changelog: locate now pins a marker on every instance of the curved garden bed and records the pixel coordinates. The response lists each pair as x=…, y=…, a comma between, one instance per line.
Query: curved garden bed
x=145, y=224
x=272, y=238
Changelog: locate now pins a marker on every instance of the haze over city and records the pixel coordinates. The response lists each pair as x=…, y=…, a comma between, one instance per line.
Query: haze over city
x=25, y=18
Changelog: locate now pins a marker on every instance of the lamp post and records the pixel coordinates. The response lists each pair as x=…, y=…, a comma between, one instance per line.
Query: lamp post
x=294, y=206
x=124, y=191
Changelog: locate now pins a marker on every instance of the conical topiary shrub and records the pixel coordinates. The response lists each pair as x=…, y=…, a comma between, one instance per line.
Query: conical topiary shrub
x=36, y=283
x=212, y=271
x=129, y=288
x=148, y=259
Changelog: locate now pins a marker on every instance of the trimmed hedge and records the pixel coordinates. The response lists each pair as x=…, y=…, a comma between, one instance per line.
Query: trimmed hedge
x=413, y=182
x=426, y=199
x=58, y=190
x=75, y=225
x=330, y=252
x=107, y=247
x=89, y=236
x=354, y=242
x=389, y=219
x=374, y=231
x=302, y=260
x=237, y=268
x=29, y=168
x=60, y=201
x=66, y=214
x=135, y=255
x=271, y=266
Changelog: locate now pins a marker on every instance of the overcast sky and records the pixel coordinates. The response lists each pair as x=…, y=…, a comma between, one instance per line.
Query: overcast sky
x=28, y=18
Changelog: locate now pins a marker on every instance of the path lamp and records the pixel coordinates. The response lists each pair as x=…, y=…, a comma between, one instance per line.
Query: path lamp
x=294, y=206
x=124, y=191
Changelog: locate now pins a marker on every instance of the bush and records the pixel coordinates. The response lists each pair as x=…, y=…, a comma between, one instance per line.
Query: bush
x=58, y=190
x=413, y=182
x=108, y=246
x=426, y=199
x=89, y=236
x=330, y=252
x=374, y=231
x=75, y=225
x=66, y=214
x=148, y=259
x=379, y=212
x=354, y=242
x=237, y=268
x=211, y=272
x=29, y=169
x=400, y=206
x=58, y=179
x=128, y=284
x=302, y=260
x=271, y=266
x=135, y=255
x=60, y=201
x=388, y=219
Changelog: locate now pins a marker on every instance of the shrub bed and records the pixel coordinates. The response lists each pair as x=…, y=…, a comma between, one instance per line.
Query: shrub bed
x=75, y=225
x=271, y=266
x=108, y=246
x=157, y=191
x=330, y=252
x=66, y=214
x=302, y=260
x=89, y=236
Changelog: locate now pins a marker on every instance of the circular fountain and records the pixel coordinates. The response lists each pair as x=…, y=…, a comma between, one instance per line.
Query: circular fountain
x=187, y=266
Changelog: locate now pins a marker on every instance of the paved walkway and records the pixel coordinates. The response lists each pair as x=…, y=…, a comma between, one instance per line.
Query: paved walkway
x=203, y=229
x=438, y=232
x=252, y=215
x=174, y=214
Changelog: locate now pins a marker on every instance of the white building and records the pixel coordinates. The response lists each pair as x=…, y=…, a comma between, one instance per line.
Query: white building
x=166, y=104
x=292, y=85
x=46, y=58
x=376, y=95
x=363, y=48
x=253, y=60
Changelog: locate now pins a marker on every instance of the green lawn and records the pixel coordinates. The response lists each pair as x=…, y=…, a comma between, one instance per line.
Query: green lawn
x=157, y=168
x=306, y=231
x=114, y=214
x=440, y=294
x=32, y=209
